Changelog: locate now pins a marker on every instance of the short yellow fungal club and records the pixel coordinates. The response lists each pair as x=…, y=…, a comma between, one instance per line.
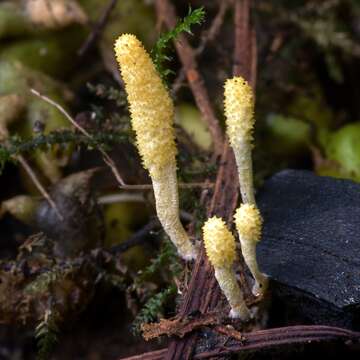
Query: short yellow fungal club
x=221, y=252
x=219, y=243
x=248, y=222
x=151, y=108
x=239, y=109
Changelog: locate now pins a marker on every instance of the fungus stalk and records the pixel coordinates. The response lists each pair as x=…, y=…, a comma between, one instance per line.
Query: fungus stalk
x=152, y=116
x=221, y=250
x=249, y=223
x=239, y=112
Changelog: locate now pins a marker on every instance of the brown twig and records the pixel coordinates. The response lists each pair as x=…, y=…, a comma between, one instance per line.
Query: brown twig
x=38, y=184
x=242, y=50
x=264, y=339
x=166, y=13
x=97, y=29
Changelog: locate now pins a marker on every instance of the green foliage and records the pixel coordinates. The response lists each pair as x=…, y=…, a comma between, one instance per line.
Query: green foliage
x=167, y=258
x=46, y=334
x=153, y=308
x=168, y=263
x=159, y=52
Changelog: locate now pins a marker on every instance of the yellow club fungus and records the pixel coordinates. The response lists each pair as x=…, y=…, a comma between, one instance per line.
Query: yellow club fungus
x=152, y=117
x=249, y=223
x=221, y=251
x=239, y=112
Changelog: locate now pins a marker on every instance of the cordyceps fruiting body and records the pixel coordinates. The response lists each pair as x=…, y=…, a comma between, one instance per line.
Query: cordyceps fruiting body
x=152, y=117
x=239, y=112
x=221, y=251
x=249, y=225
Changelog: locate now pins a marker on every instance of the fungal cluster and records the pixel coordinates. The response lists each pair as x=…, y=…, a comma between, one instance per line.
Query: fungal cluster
x=152, y=117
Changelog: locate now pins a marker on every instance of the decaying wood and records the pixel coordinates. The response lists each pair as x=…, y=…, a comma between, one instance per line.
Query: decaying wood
x=179, y=326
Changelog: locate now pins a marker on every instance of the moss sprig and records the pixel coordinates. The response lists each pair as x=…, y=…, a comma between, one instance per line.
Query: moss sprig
x=159, y=51
x=17, y=145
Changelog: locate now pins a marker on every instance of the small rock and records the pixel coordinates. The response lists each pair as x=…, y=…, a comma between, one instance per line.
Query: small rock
x=311, y=247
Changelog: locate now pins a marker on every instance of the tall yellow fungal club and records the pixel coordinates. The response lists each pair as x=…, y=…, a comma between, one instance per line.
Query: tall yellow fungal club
x=221, y=251
x=239, y=112
x=249, y=225
x=152, y=116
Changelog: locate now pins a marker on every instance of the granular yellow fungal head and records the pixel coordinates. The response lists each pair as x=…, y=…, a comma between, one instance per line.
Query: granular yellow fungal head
x=219, y=243
x=248, y=222
x=151, y=108
x=239, y=110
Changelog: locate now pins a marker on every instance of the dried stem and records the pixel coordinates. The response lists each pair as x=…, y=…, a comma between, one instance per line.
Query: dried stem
x=38, y=184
